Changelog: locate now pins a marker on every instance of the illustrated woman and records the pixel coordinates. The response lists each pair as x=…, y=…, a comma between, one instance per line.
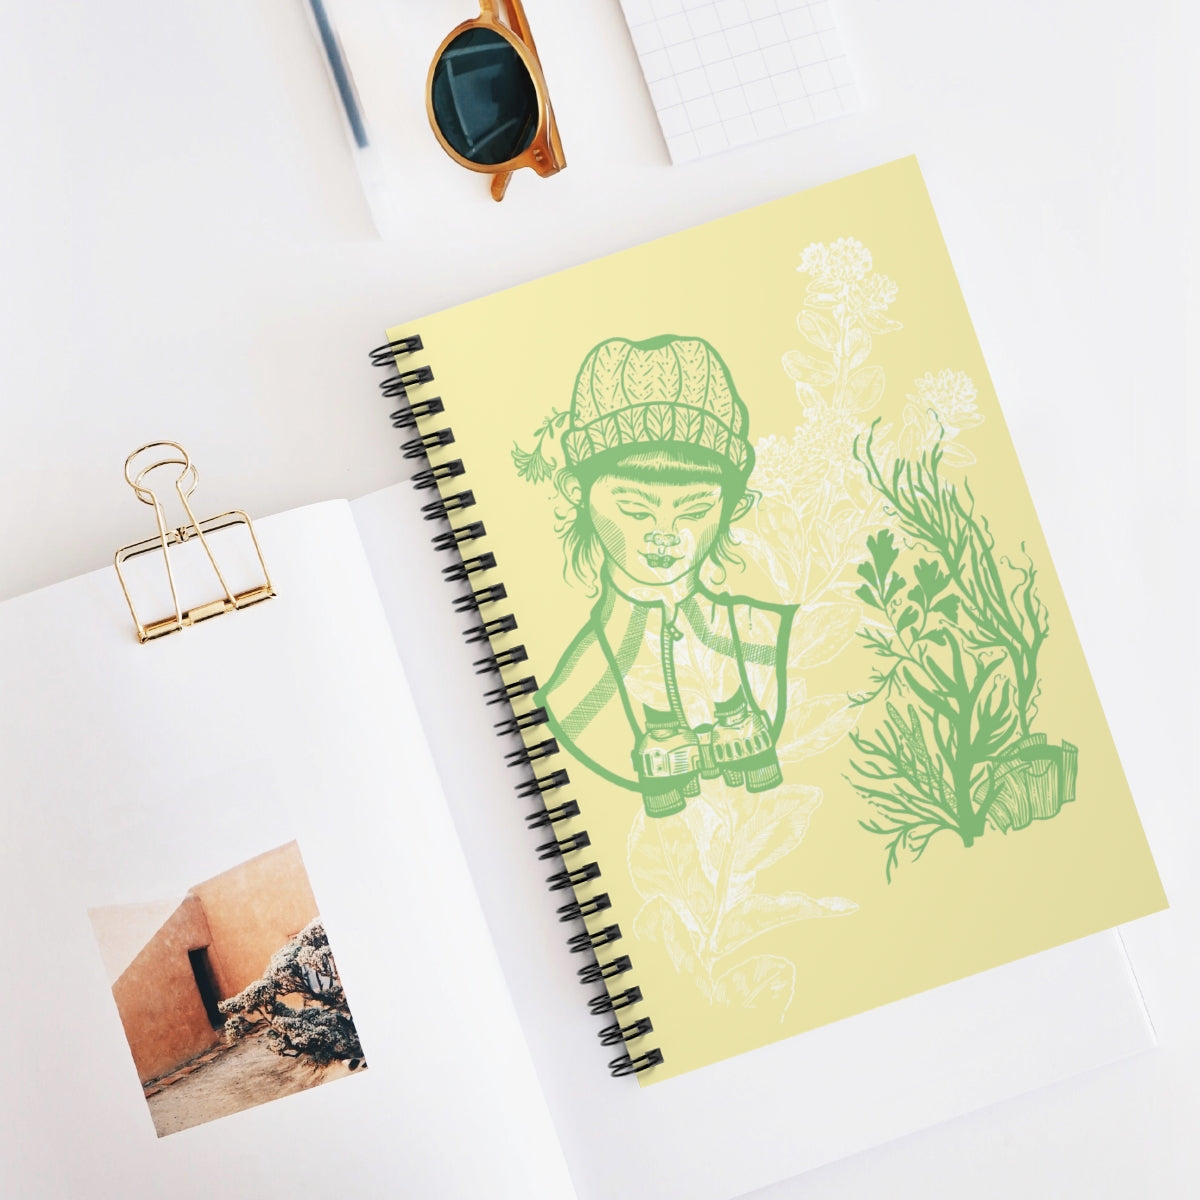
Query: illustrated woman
x=670, y=681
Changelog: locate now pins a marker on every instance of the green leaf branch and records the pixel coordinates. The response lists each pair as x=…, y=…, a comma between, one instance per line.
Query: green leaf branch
x=960, y=647
x=1004, y=615
x=536, y=465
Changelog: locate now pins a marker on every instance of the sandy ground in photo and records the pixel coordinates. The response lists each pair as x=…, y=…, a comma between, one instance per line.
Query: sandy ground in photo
x=240, y=1077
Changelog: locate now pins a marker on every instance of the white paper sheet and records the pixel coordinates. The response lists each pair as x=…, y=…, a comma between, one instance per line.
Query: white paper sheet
x=764, y=1116
x=723, y=73
x=131, y=772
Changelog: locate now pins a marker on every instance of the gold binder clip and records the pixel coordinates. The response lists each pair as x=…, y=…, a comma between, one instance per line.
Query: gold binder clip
x=172, y=454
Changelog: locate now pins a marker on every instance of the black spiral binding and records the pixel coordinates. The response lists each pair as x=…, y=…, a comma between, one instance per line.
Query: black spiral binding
x=535, y=759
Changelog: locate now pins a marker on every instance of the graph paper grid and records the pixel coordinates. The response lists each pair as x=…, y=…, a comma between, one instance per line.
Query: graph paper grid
x=723, y=73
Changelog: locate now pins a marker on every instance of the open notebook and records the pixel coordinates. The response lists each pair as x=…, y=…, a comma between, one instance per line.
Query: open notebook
x=825, y=953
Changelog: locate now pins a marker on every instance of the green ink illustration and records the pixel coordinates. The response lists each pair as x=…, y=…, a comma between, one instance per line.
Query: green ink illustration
x=657, y=464
x=958, y=673
x=534, y=465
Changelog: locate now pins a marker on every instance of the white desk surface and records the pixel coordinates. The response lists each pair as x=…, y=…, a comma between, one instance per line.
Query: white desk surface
x=186, y=253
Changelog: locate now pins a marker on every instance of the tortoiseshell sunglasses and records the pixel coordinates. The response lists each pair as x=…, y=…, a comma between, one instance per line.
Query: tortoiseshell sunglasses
x=487, y=99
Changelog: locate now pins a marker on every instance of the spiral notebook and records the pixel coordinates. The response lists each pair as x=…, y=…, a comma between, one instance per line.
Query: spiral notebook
x=737, y=546
x=794, y=686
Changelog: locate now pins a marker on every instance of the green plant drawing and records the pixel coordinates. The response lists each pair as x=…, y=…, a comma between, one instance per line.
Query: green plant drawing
x=537, y=465
x=958, y=670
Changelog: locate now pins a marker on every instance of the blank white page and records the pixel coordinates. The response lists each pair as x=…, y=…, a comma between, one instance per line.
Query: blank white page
x=133, y=771
x=723, y=73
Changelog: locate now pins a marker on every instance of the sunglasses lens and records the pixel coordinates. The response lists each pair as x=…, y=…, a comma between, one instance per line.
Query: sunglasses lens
x=484, y=100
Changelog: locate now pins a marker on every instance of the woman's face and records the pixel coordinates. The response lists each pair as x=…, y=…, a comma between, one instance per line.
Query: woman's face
x=656, y=532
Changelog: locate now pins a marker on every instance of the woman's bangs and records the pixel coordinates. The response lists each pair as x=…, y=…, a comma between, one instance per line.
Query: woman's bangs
x=669, y=464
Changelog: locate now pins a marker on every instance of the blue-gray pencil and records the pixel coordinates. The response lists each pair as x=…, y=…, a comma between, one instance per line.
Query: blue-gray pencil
x=341, y=73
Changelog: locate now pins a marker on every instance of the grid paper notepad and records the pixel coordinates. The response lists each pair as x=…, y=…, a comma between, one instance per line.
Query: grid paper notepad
x=726, y=72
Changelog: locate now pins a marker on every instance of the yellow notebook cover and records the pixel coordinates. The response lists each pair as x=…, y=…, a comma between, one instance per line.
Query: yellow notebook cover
x=797, y=635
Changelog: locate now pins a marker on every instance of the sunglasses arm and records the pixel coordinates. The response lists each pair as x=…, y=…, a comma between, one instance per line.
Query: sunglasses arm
x=500, y=184
x=516, y=19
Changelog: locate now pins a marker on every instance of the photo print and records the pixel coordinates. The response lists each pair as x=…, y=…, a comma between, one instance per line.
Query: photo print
x=228, y=992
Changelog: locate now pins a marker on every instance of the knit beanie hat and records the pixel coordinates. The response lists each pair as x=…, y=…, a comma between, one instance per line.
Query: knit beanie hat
x=665, y=390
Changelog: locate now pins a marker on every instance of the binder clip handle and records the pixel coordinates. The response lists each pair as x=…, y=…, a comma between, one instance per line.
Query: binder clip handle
x=172, y=454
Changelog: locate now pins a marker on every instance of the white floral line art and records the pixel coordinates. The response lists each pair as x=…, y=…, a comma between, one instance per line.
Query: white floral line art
x=697, y=874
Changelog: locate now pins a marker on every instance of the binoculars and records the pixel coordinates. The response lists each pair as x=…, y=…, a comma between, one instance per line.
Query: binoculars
x=671, y=757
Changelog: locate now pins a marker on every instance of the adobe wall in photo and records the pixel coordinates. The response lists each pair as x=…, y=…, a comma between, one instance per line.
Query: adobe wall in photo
x=252, y=910
x=160, y=1005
